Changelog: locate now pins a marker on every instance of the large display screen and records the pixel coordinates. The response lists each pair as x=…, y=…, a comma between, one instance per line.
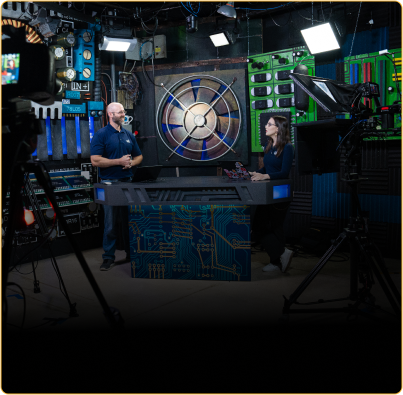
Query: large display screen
x=10, y=68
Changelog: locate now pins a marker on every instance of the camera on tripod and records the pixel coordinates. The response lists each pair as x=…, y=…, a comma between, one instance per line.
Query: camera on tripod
x=317, y=151
x=28, y=73
x=336, y=97
x=317, y=143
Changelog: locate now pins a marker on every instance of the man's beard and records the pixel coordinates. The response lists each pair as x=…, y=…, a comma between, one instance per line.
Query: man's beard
x=118, y=120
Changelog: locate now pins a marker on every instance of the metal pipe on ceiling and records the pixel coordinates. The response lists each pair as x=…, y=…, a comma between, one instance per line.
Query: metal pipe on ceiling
x=113, y=77
x=113, y=5
x=80, y=16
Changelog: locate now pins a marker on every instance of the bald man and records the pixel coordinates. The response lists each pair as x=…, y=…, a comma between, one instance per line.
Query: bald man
x=115, y=151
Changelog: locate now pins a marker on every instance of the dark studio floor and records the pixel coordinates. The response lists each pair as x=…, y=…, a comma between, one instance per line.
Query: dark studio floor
x=196, y=336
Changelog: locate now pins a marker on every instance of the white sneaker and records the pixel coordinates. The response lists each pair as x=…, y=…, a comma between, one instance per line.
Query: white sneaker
x=271, y=268
x=285, y=259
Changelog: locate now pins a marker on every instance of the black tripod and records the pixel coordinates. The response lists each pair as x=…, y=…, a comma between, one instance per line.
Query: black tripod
x=29, y=194
x=19, y=129
x=365, y=258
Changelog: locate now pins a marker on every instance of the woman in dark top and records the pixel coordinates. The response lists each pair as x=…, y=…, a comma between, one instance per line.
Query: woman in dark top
x=268, y=224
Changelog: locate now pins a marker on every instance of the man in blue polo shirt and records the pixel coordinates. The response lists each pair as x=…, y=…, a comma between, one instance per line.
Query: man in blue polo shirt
x=115, y=151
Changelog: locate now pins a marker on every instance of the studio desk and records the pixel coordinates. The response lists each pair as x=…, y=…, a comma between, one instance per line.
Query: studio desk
x=192, y=227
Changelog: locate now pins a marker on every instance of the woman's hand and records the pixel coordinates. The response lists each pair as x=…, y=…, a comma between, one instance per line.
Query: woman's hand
x=259, y=176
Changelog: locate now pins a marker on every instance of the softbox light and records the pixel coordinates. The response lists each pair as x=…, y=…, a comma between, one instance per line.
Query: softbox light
x=320, y=38
x=221, y=38
x=117, y=44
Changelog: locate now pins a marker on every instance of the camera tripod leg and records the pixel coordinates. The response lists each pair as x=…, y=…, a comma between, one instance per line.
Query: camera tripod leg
x=73, y=311
x=314, y=272
x=113, y=316
x=15, y=188
x=377, y=266
x=381, y=264
x=37, y=289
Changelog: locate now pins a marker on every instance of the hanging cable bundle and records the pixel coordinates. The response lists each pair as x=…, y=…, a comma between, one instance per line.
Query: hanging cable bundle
x=131, y=84
x=147, y=29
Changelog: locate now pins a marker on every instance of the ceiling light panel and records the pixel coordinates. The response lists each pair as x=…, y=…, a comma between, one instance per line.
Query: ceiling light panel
x=219, y=39
x=320, y=39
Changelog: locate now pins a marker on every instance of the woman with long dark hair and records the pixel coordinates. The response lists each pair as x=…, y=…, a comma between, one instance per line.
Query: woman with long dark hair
x=268, y=224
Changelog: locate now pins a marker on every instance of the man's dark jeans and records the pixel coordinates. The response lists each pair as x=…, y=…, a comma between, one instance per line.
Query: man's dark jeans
x=115, y=217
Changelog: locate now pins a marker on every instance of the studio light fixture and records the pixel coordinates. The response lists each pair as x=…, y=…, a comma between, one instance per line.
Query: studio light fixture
x=320, y=38
x=228, y=10
x=117, y=44
x=221, y=38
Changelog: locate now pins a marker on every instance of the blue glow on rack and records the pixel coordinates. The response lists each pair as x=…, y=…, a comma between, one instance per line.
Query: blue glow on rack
x=78, y=135
x=49, y=136
x=64, y=137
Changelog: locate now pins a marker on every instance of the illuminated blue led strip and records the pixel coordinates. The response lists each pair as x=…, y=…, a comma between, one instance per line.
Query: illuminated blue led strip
x=64, y=137
x=78, y=135
x=49, y=136
x=35, y=153
x=91, y=126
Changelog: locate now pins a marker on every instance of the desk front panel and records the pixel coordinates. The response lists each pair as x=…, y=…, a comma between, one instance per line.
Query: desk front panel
x=194, y=190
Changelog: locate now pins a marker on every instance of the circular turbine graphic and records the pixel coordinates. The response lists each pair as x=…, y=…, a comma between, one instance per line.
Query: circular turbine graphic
x=199, y=118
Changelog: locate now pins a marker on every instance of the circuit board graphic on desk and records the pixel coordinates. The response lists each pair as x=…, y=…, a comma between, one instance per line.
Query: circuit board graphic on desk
x=199, y=242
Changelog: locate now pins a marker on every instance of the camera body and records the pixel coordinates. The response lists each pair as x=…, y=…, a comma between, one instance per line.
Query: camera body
x=28, y=70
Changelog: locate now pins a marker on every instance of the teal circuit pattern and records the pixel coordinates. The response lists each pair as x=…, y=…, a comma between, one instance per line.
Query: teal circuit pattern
x=190, y=242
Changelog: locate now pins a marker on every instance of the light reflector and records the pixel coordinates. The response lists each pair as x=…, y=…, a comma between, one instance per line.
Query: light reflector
x=228, y=10
x=320, y=38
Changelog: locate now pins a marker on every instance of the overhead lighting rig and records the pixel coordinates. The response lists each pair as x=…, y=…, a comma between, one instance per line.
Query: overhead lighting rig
x=116, y=33
x=222, y=36
x=191, y=24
